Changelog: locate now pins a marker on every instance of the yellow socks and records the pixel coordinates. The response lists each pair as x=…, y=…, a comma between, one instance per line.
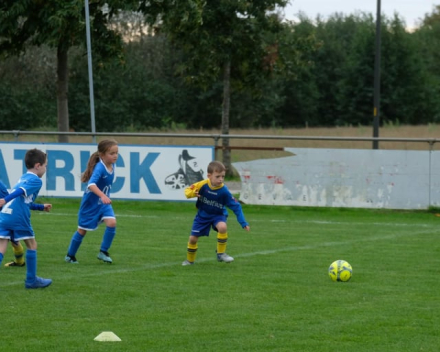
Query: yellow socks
x=222, y=239
x=18, y=252
x=191, y=252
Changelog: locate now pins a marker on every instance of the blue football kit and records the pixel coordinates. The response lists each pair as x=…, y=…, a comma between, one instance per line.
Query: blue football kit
x=92, y=211
x=15, y=216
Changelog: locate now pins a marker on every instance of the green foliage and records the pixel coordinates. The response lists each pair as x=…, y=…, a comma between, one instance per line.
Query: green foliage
x=305, y=73
x=26, y=90
x=56, y=23
x=213, y=33
x=275, y=296
x=428, y=42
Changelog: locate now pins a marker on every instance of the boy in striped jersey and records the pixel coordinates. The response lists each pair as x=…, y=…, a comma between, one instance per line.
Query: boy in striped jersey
x=213, y=197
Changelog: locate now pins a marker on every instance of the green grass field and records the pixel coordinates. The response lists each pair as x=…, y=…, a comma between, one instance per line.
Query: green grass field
x=275, y=296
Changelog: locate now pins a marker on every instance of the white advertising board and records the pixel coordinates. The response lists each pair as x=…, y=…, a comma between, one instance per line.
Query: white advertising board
x=354, y=178
x=142, y=172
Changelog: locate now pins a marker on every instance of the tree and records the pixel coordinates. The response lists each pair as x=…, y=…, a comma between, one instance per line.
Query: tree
x=224, y=40
x=61, y=25
x=25, y=90
x=428, y=40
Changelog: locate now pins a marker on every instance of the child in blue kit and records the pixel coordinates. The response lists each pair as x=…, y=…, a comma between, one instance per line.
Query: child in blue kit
x=213, y=197
x=15, y=222
x=96, y=204
x=17, y=248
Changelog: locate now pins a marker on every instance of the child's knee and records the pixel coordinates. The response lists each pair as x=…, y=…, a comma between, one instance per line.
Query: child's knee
x=110, y=222
x=222, y=227
x=193, y=239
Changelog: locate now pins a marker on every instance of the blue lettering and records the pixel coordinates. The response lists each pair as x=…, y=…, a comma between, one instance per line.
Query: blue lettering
x=143, y=172
x=64, y=172
x=118, y=183
x=84, y=159
x=19, y=155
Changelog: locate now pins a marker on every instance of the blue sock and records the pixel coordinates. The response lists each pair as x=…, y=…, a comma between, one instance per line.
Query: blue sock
x=107, y=239
x=74, y=244
x=1, y=258
x=31, y=265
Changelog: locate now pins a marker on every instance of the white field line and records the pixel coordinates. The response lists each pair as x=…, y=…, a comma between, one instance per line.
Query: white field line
x=203, y=260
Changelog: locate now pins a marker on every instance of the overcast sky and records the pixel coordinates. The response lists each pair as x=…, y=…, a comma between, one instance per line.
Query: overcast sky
x=410, y=10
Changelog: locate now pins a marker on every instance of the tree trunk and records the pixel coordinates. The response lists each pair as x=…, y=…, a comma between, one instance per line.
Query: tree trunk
x=62, y=89
x=226, y=152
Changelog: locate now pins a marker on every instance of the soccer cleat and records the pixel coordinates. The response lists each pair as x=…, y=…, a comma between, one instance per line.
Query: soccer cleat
x=187, y=262
x=71, y=259
x=105, y=257
x=15, y=264
x=38, y=283
x=223, y=257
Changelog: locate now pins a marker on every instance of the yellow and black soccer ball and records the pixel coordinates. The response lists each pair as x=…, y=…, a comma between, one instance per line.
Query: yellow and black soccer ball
x=340, y=270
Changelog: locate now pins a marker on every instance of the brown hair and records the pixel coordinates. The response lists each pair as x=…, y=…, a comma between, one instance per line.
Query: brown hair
x=34, y=156
x=216, y=166
x=103, y=146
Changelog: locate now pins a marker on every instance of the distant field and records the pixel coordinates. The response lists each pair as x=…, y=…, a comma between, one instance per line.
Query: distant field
x=275, y=296
x=431, y=131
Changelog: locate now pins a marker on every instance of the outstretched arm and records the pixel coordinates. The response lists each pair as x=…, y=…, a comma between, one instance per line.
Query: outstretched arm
x=235, y=206
x=16, y=193
x=41, y=207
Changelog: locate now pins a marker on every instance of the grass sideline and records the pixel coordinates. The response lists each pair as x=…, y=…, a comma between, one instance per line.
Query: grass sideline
x=276, y=296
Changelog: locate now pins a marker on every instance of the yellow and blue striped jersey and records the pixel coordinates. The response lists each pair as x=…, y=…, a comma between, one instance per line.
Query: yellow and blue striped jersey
x=213, y=201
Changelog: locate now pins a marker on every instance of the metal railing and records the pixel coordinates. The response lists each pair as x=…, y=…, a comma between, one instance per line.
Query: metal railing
x=217, y=137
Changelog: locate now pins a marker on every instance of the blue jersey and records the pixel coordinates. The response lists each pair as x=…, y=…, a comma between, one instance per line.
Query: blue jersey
x=91, y=203
x=213, y=201
x=3, y=191
x=16, y=214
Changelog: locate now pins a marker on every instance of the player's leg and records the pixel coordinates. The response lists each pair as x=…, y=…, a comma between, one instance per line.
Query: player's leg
x=222, y=240
x=3, y=246
x=75, y=243
x=32, y=280
x=18, y=250
x=200, y=227
x=222, y=237
x=107, y=240
x=191, y=250
x=107, y=215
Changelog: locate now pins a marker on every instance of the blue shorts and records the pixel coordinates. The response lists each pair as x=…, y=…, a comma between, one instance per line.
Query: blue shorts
x=202, y=226
x=89, y=221
x=16, y=235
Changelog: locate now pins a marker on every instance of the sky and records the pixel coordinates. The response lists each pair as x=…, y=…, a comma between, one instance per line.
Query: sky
x=412, y=11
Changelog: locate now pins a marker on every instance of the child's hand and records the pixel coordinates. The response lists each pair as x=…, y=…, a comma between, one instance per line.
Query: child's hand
x=247, y=228
x=106, y=200
x=2, y=202
x=47, y=207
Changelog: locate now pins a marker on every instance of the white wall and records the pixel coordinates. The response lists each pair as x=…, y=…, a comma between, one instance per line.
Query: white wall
x=394, y=179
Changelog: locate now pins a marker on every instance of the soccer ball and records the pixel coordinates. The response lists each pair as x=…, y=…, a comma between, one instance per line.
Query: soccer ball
x=340, y=270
